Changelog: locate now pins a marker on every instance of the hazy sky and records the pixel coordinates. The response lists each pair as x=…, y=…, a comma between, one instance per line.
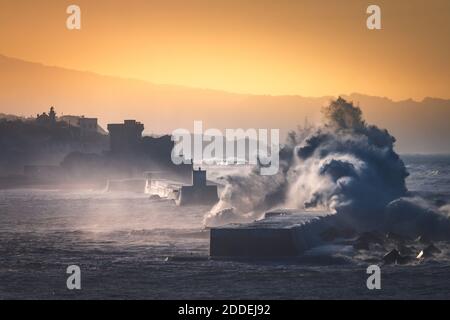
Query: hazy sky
x=310, y=48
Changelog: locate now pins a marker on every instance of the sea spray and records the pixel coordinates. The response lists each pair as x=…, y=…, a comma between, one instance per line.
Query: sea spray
x=344, y=166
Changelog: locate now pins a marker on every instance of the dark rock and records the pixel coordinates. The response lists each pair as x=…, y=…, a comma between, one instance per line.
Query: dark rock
x=428, y=252
x=422, y=255
x=404, y=259
x=392, y=257
x=404, y=250
x=432, y=249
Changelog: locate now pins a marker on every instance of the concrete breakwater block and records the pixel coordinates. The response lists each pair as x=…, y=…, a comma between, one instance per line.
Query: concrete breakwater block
x=284, y=235
x=198, y=195
x=201, y=192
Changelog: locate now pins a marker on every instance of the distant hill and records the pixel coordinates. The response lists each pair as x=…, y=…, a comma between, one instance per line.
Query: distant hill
x=30, y=88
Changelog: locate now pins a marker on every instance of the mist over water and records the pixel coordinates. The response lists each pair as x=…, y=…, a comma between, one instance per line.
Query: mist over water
x=121, y=242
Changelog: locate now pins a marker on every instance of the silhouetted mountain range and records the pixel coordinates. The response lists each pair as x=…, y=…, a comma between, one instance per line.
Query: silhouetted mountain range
x=30, y=88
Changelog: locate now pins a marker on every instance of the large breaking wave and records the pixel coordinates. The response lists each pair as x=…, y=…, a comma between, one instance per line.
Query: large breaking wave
x=344, y=166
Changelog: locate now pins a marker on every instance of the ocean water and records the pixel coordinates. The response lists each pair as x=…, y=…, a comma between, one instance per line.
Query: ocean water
x=121, y=243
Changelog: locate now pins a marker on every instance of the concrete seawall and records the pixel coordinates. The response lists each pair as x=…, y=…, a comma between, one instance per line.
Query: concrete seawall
x=206, y=195
x=273, y=237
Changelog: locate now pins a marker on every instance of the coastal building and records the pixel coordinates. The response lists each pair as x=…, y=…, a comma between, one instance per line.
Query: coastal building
x=47, y=119
x=88, y=126
x=125, y=137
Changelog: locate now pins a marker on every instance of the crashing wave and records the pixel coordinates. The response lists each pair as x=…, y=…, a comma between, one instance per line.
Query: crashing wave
x=345, y=166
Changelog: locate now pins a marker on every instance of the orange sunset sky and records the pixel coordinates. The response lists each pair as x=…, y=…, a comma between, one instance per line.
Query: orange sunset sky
x=310, y=48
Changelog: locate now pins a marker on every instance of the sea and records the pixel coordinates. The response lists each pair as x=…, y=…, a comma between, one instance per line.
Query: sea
x=130, y=247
